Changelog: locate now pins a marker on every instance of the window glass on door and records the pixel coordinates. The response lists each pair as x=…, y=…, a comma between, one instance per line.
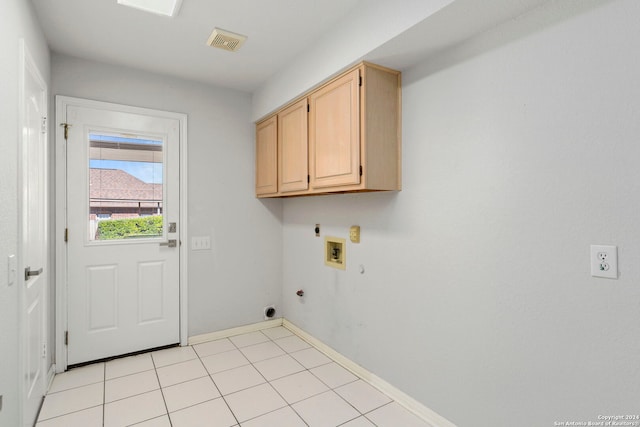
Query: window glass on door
x=126, y=195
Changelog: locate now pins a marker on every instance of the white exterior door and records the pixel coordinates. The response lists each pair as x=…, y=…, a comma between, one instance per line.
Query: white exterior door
x=34, y=269
x=123, y=205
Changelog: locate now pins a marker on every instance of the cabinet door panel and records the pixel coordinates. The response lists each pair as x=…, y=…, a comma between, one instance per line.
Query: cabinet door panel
x=267, y=157
x=293, y=147
x=334, y=133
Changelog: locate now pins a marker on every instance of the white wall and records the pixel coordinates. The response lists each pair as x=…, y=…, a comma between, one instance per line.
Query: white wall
x=229, y=285
x=370, y=24
x=521, y=148
x=16, y=21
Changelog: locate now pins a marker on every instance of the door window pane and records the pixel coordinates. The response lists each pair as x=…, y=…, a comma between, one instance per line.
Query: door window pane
x=125, y=187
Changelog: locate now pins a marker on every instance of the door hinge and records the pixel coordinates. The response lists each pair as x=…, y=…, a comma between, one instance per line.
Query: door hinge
x=44, y=125
x=360, y=170
x=66, y=234
x=308, y=179
x=360, y=81
x=308, y=108
x=44, y=350
x=66, y=337
x=66, y=129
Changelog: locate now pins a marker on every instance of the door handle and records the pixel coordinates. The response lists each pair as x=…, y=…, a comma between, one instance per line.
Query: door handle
x=28, y=272
x=172, y=243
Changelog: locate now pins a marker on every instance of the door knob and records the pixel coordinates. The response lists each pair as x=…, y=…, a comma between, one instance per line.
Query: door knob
x=28, y=272
x=172, y=243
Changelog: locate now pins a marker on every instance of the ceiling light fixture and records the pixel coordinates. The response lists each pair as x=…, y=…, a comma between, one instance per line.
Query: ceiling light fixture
x=226, y=40
x=160, y=7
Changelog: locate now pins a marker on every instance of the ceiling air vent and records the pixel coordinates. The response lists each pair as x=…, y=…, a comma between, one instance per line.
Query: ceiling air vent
x=226, y=40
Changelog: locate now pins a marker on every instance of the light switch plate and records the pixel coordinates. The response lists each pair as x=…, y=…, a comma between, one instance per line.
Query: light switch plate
x=604, y=261
x=12, y=269
x=200, y=243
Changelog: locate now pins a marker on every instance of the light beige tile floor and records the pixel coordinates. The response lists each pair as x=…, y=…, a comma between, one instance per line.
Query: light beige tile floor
x=270, y=378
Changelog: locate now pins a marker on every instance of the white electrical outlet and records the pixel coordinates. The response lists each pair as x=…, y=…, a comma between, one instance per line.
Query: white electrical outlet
x=604, y=261
x=354, y=233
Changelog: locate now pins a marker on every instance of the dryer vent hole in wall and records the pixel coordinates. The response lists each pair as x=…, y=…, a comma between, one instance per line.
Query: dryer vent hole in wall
x=269, y=312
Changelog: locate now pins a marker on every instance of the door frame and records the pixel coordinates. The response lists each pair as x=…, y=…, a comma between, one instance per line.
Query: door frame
x=28, y=65
x=62, y=102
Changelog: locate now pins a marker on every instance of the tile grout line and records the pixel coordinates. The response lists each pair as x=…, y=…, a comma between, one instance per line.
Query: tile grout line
x=260, y=373
x=155, y=370
x=73, y=388
x=104, y=393
x=38, y=421
x=271, y=385
x=216, y=385
x=183, y=382
x=393, y=400
x=332, y=389
x=290, y=405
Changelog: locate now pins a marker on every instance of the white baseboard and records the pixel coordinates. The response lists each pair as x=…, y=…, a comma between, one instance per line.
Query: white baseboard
x=50, y=375
x=399, y=396
x=226, y=333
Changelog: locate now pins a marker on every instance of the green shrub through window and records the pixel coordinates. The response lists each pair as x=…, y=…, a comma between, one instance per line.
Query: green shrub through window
x=148, y=226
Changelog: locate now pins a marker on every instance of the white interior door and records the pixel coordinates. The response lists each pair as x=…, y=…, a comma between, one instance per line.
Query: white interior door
x=123, y=256
x=33, y=233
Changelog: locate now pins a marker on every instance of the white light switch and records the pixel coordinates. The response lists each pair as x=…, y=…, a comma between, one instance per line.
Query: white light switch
x=200, y=243
x=604, y=261
x=13, y=269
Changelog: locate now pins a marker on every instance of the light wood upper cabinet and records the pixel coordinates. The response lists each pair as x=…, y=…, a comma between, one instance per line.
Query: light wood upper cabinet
x=267, y=157
x=293, y=168
x=334, y=132
x=342, y=137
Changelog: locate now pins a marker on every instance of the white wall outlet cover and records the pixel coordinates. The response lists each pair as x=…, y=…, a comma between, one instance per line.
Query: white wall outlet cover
x=604, y=261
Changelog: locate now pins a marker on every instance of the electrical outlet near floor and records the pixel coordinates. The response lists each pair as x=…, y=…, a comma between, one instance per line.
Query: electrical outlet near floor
x=604, y=261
